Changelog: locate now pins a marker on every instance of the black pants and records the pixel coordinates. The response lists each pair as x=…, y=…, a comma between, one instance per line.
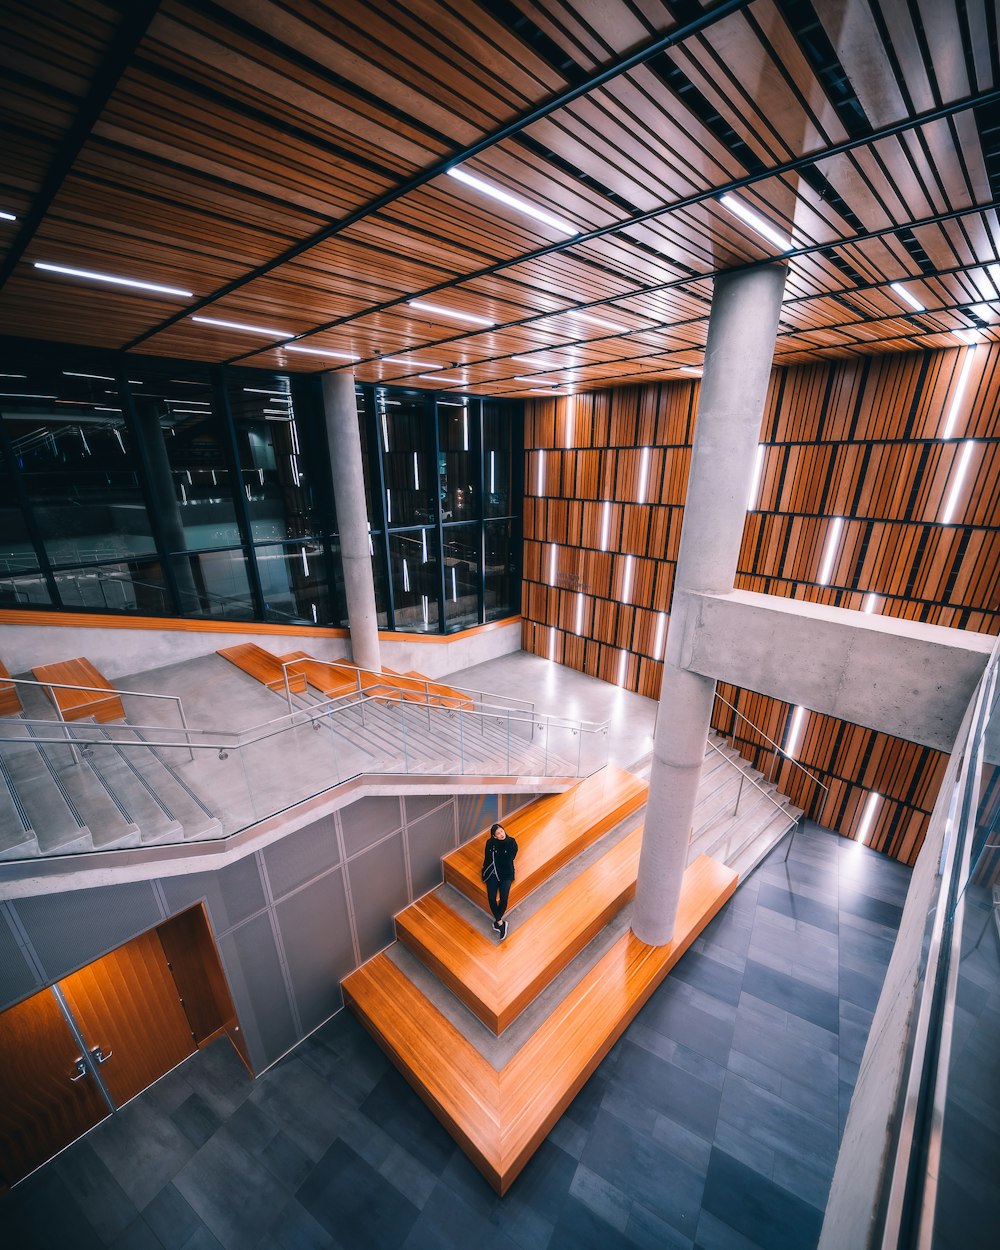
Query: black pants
x=497, y=892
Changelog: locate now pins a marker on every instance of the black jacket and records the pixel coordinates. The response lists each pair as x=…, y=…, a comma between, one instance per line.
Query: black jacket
x=500, y=851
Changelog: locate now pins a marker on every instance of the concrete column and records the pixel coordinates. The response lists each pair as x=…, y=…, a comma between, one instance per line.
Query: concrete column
x=344, y=442
x=738, y=356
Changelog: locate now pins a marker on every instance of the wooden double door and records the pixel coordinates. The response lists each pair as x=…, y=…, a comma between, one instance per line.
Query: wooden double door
x=77, y=1051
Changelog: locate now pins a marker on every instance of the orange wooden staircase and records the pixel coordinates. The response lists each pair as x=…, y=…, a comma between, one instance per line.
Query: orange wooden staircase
x=499, y=1115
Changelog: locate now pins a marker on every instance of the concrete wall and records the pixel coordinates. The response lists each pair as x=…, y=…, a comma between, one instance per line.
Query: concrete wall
x=899, y=677
x=120, y=651
x=290, y=920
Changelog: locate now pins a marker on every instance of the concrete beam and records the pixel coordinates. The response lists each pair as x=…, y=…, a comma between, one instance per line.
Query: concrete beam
x=900, y=677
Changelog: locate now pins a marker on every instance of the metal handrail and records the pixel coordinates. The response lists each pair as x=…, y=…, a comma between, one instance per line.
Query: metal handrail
x=757, y=729
x=756, y=784
x=105, y=690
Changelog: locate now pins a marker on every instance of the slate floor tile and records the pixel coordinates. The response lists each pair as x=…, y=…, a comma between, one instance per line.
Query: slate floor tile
x=792, y=995
x=760, y=1210
x=580, y=1228
x=137, y=1236
x=769, y=1119
x=142, y=1149
x=347, y=1197
x=295, y=1229
x=231, y=1192
x=397, y=1110
x=99, y=1196
x=171, y=1218
x=601, y=1197
x=196, y=1119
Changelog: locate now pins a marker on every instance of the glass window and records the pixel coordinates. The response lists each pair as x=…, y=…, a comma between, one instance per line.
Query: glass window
x=272, y=467
x=497, y=465
x=456, y=459
x=24, y=590
x=461, y=576
x=411, y=476
x=123, y=586
x=215, y=583
x=294, y=581
x=415, y=580
x=498, y=568
x=78, y=465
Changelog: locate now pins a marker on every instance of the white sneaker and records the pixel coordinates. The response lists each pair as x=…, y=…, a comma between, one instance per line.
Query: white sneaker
x=503, y=929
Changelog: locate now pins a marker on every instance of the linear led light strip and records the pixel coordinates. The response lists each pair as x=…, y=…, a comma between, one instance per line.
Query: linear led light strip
x=864, y=829
x=605, y=524
x=112, y=279
x=660, y=638
x=795, y=732
x=597, y=321
x=417, y=364
x=4, y=216
x=643, y=476
x=579, y=613
x=755, y=484
x=963, y=380
x=440, y=311
x=239, y=325
x=756, y=222
x=829, y=555
x=965, y=455
x=553, y=554
x=627, y=580
x=319, y=351
x=905, y=295
x=513, y=201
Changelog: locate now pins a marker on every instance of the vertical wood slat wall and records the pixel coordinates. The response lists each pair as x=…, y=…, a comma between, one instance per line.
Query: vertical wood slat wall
x=858, y=439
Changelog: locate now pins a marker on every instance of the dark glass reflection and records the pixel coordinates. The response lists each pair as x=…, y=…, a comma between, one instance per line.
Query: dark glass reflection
x=415, y=580
x=462, y=563
x=498, y=570
x=497, y=465
x=456, y=462
x=411, y=475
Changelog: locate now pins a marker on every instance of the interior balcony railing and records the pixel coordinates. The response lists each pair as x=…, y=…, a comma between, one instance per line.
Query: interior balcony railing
x=153, y=778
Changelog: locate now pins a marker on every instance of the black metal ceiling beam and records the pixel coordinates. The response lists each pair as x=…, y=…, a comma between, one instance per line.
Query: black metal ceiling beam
x=673, y=284
x=135, y=22
x=560, y=100
x=795, y=165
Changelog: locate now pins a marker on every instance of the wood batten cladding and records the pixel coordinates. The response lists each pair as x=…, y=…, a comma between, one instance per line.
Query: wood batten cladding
x=288, y=164
x=858, y=439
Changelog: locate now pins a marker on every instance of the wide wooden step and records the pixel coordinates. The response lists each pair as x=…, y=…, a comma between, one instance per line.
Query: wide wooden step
x=499, y=1118
x=263, y=667
x=10, y=703
x=333, y=680
x=496, y=981
x=550, y=832
x=80, y=704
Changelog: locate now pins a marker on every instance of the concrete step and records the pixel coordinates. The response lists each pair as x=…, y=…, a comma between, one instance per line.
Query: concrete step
x=167, y=782
x=17, y=838
x=60, y=828
x=132, y=795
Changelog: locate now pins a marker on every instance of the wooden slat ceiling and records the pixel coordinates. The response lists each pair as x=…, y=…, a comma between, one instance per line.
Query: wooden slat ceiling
x=286, y=163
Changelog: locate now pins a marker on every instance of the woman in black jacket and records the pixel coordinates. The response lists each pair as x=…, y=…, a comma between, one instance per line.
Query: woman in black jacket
x=498, y=873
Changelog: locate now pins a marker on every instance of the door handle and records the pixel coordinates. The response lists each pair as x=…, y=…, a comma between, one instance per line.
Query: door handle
x=81, y=1069
x=99, y=1055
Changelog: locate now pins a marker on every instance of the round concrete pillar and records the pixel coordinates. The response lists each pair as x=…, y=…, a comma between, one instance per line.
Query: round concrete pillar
x=738, y=356
x=347, y=468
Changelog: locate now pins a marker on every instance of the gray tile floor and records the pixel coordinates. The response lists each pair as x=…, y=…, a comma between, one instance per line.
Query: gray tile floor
x=714, y=1122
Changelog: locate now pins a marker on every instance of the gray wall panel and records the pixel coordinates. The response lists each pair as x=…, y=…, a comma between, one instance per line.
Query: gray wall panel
x=250, y=958
x=428, y=840
x=316, y=935
x=476, y=812
x=17, y=977
x=72, y=929
x=301, y=856
x=378, y=891
x=417, y=805
x=232, y=893
x=368, y=820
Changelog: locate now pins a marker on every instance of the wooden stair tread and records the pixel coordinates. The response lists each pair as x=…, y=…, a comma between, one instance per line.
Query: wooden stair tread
x=496, y=981
x=416, y=688
x=10, y=702
x=538, y=1083
x=331, y=679
x=550, y=832
x=78, y=704
x=263, y=667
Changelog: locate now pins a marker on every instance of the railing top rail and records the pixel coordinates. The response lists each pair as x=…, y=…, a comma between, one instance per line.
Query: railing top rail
x=766, y=793
x=65, y=685
x=757, y=729
x=427, y=681
x=224, y=739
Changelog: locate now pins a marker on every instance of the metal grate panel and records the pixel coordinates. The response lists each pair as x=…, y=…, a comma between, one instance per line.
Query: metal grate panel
x=316, y=968
x=301, y=856
x=72, y=929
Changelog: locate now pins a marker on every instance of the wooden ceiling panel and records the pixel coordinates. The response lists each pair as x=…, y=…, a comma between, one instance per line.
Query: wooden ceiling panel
x=287, y=163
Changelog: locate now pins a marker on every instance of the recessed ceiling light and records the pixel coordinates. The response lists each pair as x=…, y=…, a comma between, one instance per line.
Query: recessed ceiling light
x=239, y=325
x=7, y=217
x=690, y=369
x=513, y=201
x=320, y=351
x=964, y=457
x=531, y=360
x=756, y=222
x=439, y=377
x=983, y=311
x=417, y=364
x=112, y=279
x=968, y=336
x=904, y=294
x=22, y=395
x=420, y=306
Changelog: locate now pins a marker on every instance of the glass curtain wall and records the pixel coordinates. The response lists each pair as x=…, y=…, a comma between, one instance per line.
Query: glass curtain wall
x=441, y=495
x=178, y=489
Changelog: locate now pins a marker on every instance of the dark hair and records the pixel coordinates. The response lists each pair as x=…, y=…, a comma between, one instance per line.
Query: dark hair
x=494, y=827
